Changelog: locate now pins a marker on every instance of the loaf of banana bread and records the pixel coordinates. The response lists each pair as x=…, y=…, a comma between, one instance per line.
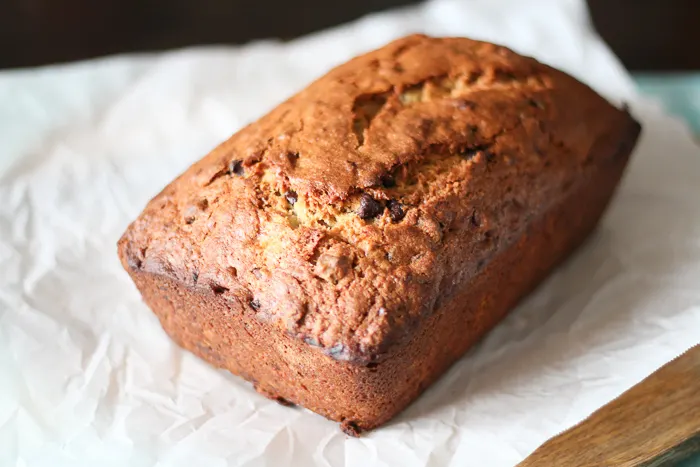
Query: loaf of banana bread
x=345, y=249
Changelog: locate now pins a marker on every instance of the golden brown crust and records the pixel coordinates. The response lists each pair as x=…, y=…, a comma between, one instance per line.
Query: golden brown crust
x=227, y=333
x=348, y=215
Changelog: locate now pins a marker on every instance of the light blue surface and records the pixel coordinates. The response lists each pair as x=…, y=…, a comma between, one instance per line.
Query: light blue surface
x=680, y=94
x=693, y=462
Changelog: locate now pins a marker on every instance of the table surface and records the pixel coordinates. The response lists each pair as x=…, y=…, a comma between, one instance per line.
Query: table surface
x=656, y=35
x=680, y=95
x=679, y=92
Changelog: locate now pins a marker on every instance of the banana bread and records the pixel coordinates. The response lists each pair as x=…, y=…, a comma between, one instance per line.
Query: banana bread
x=345, y=249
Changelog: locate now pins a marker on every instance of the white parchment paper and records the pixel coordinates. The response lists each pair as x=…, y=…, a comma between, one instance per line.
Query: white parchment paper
x=87, y=376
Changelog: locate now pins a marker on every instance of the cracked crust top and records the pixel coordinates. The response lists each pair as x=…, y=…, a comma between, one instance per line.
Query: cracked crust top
x=357, y=206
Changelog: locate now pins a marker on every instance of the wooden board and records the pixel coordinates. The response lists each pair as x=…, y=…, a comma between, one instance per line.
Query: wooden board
x=655, y=423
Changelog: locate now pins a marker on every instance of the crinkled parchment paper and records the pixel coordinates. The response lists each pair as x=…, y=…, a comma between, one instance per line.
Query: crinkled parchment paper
x=87, y=376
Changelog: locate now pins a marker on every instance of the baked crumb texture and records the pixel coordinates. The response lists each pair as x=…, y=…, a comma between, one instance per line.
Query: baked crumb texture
x=345, y=249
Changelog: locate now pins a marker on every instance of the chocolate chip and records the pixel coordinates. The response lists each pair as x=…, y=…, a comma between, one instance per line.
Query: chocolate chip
x=291, y=196
x=255, y=304
x=388, y=181
x=396, y=211
x=292, y=157
x=471, y=152
x=195, y=277
x=218, y=289
x=476, y=219
x=369, y=207
x=490, y=157
x=190, y=214
x=535, y=103
x=203, y=204
x=350, y=428
x=236, y=167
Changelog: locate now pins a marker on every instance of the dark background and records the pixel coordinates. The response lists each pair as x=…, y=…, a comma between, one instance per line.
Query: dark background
x=646, y=34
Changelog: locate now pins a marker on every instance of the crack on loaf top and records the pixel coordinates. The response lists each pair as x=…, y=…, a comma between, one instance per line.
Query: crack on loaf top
x=364, y=117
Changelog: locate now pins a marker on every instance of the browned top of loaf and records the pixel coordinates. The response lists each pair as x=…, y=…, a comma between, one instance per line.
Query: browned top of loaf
x=356, y=207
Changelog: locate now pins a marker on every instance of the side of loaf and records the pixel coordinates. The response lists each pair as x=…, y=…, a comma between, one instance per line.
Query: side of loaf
x=345, y=249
